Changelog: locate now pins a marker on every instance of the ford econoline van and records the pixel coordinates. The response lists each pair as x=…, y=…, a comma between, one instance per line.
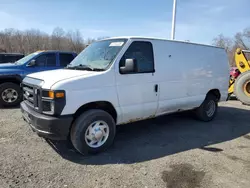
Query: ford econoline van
x=121, y=80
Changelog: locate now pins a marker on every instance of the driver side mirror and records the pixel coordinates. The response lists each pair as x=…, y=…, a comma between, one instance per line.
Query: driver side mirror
x=129, y=67
x=32, y=63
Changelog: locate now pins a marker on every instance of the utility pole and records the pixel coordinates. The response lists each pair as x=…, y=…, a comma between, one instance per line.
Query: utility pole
x=173, y=20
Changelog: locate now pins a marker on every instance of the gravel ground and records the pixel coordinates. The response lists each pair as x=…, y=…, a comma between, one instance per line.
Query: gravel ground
x=173, y=151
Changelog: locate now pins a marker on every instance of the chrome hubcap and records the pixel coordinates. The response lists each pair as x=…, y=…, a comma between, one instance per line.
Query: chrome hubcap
x=211, y=106
x=9, y=95
x=97, y=134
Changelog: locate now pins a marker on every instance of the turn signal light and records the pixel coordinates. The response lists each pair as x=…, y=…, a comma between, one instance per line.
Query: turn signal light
x=57, y=95
x=60, y=95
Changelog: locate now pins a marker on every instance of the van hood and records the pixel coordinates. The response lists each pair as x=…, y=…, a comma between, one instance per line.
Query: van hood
x=53, y=76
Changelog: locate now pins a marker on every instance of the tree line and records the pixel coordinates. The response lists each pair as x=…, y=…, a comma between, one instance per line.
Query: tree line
x=239, y=40
x=28, y=41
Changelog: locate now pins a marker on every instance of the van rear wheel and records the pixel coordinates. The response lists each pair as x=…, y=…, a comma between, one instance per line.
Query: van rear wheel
x=208, y=109
x=93, y=132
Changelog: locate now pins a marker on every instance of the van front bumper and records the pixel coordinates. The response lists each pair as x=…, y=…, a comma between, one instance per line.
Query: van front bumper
x=55, y=128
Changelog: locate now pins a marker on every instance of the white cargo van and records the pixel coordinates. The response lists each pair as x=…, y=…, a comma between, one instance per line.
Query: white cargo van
x=121, y=80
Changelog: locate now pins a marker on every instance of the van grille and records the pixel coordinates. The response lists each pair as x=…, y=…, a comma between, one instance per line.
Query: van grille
x=37, y=99
x=30, y=95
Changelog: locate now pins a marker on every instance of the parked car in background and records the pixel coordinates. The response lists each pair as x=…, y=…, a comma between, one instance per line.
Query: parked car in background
x=10, y=57
x=12, y=74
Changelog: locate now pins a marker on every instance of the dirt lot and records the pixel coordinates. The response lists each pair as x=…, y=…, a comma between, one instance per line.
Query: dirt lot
x=173, y=151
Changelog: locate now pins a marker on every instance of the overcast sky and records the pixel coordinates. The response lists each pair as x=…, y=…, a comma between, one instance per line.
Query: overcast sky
x=197, y=20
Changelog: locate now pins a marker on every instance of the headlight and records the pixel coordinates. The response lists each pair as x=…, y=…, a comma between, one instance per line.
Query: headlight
x=53, y=102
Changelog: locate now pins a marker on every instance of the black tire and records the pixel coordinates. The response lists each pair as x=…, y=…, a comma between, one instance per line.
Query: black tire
x=80, y=126
x=9, y=85
x=202, y=112
x=241, y=94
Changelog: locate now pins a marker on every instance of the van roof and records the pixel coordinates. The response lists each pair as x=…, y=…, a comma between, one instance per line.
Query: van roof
x=155, y=38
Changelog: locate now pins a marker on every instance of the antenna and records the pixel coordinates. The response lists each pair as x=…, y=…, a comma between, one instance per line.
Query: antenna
x=173, y=20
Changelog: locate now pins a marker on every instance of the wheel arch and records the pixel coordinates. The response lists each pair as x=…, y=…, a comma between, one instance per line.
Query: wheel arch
x=17, y=79
x=102, y=105
x=216, y=93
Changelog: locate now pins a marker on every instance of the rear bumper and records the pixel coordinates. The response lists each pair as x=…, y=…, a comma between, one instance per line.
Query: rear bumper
x=55, y=128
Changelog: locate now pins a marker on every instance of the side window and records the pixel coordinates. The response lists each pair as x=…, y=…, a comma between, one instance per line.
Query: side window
x=65, y=59
x=41, y=61
x=142, y=52
x=48, y=60
x=8, y=58
x=51, y=60
x=12, y=58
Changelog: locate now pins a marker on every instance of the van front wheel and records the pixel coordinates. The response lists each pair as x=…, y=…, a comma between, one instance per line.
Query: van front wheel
x=93, y=132
x=208, y=109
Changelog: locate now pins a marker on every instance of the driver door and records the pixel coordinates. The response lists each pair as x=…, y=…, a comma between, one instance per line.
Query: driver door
x=138, y=91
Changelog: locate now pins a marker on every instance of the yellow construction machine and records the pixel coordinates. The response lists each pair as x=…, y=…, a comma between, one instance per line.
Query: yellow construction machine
x=240, y=77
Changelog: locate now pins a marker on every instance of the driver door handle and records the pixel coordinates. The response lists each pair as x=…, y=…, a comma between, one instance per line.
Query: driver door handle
x=156, y=88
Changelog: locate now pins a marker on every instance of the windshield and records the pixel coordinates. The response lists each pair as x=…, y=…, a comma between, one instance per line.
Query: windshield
x=98, y=55
x=26, y=58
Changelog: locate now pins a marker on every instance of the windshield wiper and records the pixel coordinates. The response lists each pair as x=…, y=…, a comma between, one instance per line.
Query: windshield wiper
x=80, y=67
x=98, y=69
x=84, y=67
